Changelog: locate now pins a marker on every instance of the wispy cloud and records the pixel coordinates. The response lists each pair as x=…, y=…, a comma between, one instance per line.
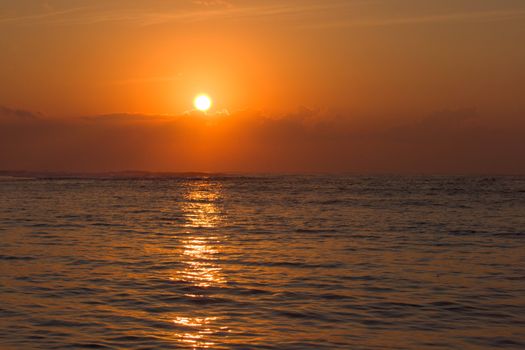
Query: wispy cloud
x=341, y=14
x=477, y=16
x=42, y=17
x=202, y=11
x=144, y=80
x=213, y=3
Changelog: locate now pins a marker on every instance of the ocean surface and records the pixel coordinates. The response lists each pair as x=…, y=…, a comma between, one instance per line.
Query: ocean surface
x=268, y=262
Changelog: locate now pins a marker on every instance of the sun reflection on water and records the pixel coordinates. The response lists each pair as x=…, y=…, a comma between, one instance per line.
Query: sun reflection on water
x=199, y=330
x=200, y=253
x=200, y=207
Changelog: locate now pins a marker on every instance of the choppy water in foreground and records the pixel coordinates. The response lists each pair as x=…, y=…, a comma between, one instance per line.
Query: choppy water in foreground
x=267, y=262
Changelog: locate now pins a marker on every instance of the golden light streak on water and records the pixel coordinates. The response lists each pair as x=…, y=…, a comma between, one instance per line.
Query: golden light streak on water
x=200, y=253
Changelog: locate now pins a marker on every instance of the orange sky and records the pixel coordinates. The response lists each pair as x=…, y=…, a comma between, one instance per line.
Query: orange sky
x=361, y=86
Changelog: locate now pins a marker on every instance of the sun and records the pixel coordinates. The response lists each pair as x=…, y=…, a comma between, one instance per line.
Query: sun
x=202, y=102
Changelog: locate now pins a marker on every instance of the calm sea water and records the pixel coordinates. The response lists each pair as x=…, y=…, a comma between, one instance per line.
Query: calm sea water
x=265, y=262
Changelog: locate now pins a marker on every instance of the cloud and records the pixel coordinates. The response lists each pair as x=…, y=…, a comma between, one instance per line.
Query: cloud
x=126, y=117
x=144, y=80
x=440, y=123
x=328, y=14
x=202, y=11
x=49, y=15
x=209, y=3
x=473, y=16
x=13, y=114
x=307, y=140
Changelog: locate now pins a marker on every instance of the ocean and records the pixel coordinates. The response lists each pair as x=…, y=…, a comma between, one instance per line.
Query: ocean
x=263, y=262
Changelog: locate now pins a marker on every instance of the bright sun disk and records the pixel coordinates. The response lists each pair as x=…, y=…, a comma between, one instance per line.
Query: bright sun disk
x=202, y=103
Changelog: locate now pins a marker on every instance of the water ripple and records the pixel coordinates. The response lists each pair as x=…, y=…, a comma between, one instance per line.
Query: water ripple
x=268, y=262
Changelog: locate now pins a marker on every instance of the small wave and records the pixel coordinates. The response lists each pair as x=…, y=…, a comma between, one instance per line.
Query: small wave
x=15, y=257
